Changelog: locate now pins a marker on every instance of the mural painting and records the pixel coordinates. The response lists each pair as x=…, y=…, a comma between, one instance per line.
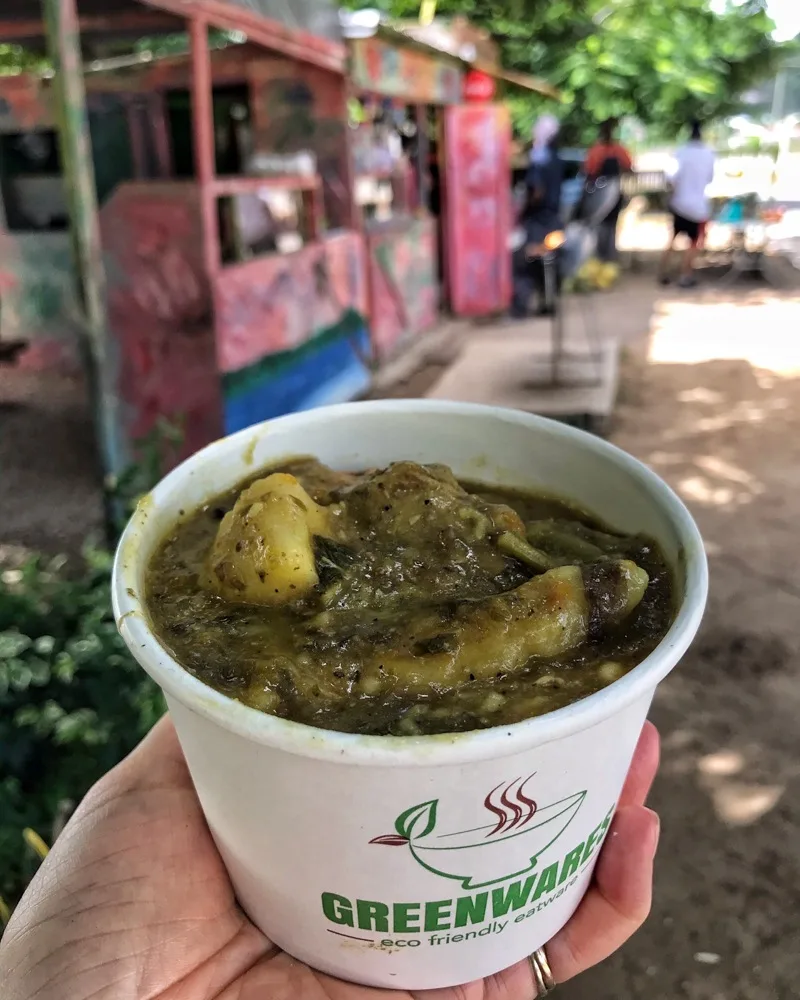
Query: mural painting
x=291, y=333
x=379, y=68
x=37, y=286
x=160, y=312
x=478, y=154
x=405, y=283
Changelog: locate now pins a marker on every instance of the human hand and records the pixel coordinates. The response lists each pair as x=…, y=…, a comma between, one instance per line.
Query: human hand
x=133, y=902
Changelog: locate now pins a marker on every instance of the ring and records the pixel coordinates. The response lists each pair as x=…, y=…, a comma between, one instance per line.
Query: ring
x=542, y=974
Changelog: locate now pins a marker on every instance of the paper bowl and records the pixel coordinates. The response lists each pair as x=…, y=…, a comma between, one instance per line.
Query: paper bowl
x=414, y=863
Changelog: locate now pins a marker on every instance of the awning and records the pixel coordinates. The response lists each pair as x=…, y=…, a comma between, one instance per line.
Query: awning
x=522, y=80
x=395, y=35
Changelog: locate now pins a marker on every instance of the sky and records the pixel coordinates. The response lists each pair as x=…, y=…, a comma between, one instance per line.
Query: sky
x=785, y=14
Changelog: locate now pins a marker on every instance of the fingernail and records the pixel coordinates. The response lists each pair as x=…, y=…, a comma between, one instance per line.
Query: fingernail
x=655, y=831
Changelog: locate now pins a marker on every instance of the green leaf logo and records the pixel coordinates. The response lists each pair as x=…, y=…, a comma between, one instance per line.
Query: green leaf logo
x=418, y=821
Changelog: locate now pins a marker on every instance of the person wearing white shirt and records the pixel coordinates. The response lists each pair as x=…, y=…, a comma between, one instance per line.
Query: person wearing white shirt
x=692, y=173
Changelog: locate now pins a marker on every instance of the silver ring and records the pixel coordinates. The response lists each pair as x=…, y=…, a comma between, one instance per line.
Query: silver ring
x=542, y=974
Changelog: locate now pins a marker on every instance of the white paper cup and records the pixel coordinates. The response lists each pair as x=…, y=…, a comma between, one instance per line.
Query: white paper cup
x=414, y=863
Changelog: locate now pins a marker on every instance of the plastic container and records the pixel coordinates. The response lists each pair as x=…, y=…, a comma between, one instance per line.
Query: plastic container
x=414, y=863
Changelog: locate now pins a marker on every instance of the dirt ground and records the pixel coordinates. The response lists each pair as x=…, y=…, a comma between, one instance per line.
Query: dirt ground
x=49, y=499
x=710, y=398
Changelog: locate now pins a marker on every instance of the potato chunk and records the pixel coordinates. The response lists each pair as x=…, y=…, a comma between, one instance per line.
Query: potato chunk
x=264, y=549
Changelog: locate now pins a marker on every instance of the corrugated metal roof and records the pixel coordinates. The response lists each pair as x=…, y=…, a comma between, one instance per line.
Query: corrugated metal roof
x=21, y=21
x=300, y=27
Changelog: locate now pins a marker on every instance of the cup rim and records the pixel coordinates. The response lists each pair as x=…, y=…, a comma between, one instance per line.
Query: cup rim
x=453, y=748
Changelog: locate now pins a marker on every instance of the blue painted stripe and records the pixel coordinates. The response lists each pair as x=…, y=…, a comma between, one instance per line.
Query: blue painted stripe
x=328, y=369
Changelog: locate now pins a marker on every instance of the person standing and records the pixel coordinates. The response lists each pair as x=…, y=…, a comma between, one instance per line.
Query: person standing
x=608, y=159
x=540, y=215
x=692, y=173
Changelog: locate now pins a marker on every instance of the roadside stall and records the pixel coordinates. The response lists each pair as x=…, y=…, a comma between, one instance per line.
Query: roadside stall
x=432, y=153
x=399, y=91
x=221, y=272
x=38, y=302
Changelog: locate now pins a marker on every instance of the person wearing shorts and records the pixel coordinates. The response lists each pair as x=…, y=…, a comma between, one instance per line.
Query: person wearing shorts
x=692, y=174
x=687, y=227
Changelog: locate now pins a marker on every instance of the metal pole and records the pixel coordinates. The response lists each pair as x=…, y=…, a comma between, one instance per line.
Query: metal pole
x=204, y=146
x=63, y=38
x=778, y=110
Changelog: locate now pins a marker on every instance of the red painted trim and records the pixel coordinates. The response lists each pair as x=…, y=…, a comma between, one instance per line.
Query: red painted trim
x=299, y=45
x=444, y=208
x=204, y=149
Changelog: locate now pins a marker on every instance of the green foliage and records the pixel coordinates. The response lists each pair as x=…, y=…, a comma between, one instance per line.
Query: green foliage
x=156, y=451
x=73, y=701
x=662, y=61
x=15, y=59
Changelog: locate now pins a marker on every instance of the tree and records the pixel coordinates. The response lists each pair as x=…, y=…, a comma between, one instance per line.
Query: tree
x=662, y=61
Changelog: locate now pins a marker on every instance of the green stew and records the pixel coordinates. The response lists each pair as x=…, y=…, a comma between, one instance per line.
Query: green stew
x=401, y=601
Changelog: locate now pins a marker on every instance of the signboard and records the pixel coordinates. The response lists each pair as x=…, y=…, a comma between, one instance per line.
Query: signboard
x=478, y=208
x=391, y=71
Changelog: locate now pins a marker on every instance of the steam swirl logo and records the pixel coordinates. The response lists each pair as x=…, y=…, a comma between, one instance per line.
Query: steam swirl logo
x=507, y=846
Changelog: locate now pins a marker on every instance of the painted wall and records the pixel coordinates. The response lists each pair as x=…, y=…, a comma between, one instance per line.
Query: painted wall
x=160, y=312
x=404, y=279
x=478, y=208
x=381, y=68
x=290, y=331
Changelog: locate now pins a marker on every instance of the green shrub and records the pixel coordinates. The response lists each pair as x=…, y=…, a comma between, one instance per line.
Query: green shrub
x=73, y=702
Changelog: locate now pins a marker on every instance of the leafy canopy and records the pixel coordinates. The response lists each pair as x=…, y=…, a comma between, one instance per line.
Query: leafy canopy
x=662, y=61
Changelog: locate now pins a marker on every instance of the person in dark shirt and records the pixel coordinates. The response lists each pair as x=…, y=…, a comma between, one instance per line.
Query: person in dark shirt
x=610, y=160
x=541, y=212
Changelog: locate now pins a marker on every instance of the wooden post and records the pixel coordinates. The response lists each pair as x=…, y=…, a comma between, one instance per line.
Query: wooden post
x=63, y=38
x=158, y=110
x=354, y=216
x=204, y=145
x=423, y=156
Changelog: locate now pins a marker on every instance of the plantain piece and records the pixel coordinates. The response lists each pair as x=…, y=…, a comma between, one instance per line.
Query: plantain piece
x=546, y=618
x=614, y=588
x=264, y=552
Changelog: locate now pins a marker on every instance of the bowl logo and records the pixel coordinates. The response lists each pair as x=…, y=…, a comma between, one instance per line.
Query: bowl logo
x=505, y=847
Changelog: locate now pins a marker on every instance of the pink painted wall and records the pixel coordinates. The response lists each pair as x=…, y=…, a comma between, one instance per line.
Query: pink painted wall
x=405, y=286
x=160, y=310
x=278, y=302
x=478, y=208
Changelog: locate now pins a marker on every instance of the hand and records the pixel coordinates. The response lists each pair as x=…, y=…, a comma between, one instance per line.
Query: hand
x=133, y=902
